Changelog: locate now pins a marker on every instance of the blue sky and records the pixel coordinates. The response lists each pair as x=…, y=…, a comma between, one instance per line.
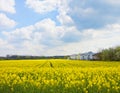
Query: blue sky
x=58, y=27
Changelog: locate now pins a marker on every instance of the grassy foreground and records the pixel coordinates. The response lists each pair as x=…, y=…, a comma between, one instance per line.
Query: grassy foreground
x=59, y=76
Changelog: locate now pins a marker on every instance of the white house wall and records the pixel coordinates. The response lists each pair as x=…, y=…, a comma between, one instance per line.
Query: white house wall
x=84, y=56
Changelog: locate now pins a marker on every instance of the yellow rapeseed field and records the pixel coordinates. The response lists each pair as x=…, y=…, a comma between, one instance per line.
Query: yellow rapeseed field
x=59, y=76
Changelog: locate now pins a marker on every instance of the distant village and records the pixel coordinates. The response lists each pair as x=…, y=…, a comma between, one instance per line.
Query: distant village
x=83, y=56
x=110, y=54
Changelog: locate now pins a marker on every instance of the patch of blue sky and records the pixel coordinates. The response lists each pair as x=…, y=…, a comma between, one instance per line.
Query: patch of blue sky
x=25, y=16
x=103, y=14
x=71, y=37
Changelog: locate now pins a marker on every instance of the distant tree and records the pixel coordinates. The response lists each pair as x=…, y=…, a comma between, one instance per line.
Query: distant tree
x=117, y=53
x=111, y=54
x=104, y=54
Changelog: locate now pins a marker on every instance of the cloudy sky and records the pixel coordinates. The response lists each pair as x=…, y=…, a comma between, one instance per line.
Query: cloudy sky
x=58, y=27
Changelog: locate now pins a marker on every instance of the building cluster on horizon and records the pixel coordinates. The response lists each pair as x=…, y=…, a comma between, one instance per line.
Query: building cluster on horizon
x=84, y=56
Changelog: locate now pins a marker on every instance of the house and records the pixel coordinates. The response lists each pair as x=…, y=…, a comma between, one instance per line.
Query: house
x=83, y=56
x=74, y=56
x=86, y=56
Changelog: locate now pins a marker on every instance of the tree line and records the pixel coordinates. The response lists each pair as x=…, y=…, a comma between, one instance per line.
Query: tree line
x=19, y=57
x=111, y=54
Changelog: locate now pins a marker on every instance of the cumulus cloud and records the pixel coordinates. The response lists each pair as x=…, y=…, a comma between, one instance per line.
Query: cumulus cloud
x=41, y=31
x=2, y=42
x=46, y=38
x=94, y=14
x=41, y=36
x=112, y=2
x=42, y=6
x=7, y=6
x=6, y=22
x=83, y=12
x=108, y=31
x=65, y=20
x=5, y=47
x=93, y=40
x=45, y=6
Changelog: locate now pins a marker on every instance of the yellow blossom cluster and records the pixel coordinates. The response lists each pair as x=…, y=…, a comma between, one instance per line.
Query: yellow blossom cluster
x=64, y=76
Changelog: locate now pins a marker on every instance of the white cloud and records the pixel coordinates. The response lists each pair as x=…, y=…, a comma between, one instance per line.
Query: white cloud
x=47, y=38
x=42, y=6
x=112, y=2
x=63, y=17
x=109, y=31
x=63, y=7
x=93, y=40
x=40, y=37
x=5, y=47
x=43, y=30
x=45, y=6
x=65, y=20
x=5, y=22
x=7, y=6
x=1, y=42
x=85, y=12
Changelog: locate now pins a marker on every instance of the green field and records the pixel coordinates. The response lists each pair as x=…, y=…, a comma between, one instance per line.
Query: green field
x=59, y=76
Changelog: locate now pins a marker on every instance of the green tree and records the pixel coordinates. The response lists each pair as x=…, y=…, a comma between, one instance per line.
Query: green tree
x=117, y=53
